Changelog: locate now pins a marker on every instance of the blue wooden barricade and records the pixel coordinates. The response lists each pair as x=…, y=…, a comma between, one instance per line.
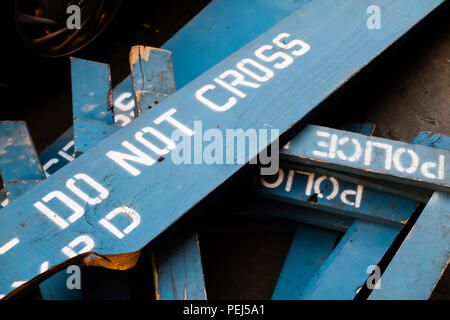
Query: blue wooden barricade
x=144, y=216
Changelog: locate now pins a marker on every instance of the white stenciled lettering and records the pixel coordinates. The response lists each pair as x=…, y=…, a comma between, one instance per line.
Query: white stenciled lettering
x=414, y=160
x=170, y=145
x=199, y=95
x=388, y=153
x=167, y=116
x=334, y=183
x=102, y=192
x=83, y=239
x=135, y=217
x=287, y=59
x=438, y=168
x=277, y=182
x=239, y=80
x=267, y=73
x=78, y=210
x=138, y=156
x=9, y=245
x=304, y=47
x=322, y=144
x=358, y=196
x=310, y=183
x=357, y=153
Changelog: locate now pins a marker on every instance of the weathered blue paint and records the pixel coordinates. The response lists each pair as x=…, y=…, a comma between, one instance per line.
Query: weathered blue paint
x=59, y=153
x=89, y=133
x=152, y=76
x=177, y=267
x=91, y=101
x=16, y=188
x=26, y=166
x=18, y=158
x=271, y=106
x=370, y=156
x=309, y=249
x=424, y=255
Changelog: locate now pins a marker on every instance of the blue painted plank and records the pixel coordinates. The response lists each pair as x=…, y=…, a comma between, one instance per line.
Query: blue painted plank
x=18, y=158
x=59, y=153
x=424, y=255
x=261, y=108
x=91, y=90
x=369, y=156
x=177, y=267
x=309, y=249
x=89, y=133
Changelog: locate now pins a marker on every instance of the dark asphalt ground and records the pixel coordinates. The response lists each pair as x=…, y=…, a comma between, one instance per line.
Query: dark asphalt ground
x=407, y=92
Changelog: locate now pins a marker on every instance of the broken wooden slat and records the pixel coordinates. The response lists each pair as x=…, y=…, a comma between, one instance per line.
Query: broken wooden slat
x=424, y=255
x=154, y=82
x=91, y=101
x=270, y=106
x=18, y=158
x=177, y=267
x=373, y=157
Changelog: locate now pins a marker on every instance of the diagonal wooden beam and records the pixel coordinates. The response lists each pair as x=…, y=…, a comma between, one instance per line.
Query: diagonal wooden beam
x=276, y=105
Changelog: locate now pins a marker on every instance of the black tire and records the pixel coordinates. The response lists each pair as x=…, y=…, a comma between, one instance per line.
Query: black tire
x=42, y=24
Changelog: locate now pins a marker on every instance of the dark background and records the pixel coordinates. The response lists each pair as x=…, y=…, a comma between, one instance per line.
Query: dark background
x=405, y=93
